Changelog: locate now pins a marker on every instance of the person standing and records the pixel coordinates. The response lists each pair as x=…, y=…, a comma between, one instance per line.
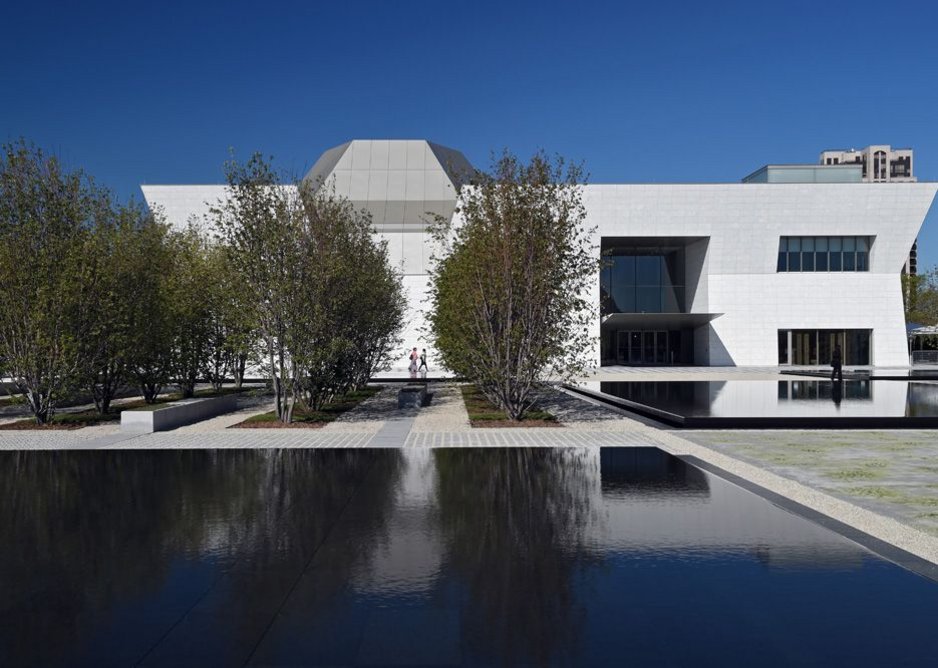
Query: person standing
x=423, y=361
x=413, y=363
x=837, y=358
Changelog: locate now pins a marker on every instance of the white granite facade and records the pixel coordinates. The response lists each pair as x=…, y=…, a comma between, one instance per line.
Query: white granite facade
x=744, y=222
x=404, y=182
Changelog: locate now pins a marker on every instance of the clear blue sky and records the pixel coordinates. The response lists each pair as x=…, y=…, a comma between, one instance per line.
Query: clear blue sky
x=650, y=91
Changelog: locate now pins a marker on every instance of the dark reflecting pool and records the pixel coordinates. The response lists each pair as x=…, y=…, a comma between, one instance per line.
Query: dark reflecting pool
x=431, y=557
x=784, y=403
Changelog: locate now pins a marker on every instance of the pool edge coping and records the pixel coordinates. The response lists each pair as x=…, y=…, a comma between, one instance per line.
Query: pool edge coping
x=881, y=548
x=813, y=504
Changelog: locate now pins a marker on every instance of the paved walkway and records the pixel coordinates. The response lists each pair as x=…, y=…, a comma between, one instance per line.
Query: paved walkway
x=376, y=422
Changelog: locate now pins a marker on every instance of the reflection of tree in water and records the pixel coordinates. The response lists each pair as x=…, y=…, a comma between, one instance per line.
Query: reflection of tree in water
x=83, y=532
x=515, y=521
x=320, y=495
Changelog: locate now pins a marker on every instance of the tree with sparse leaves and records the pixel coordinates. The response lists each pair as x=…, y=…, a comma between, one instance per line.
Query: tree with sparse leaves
x=508, y=295
x=128, y=248
x=48, y=279
x=313, y=275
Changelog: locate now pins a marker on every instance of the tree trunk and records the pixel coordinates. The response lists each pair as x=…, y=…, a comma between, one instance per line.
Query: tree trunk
x=187, y=387
x=274, y=380
x=40, y=403
x=150, y=392
x=239, y=369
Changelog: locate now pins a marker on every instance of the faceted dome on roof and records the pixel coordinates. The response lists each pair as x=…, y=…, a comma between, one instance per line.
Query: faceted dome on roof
x=402, y=183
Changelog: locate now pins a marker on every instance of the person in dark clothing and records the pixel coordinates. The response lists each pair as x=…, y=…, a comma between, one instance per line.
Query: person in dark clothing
x=837, y=358
x=423, y=361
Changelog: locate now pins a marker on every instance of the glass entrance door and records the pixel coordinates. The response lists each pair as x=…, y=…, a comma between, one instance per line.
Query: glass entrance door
x=648, y=349
x=622, y=347
x=635, y=348
x=642, y=347
x=661, y=348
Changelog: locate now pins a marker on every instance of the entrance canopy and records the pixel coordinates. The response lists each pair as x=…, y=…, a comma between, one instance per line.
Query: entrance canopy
x=918, y=330
x=662, y=321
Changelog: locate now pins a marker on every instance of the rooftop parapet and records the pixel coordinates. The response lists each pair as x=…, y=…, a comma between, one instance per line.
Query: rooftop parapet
x=843, y=173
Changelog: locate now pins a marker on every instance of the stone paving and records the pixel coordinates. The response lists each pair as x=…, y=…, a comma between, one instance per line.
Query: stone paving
x=376, y=422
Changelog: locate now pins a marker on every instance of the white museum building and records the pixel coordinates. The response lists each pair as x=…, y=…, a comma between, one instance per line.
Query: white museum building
x=773, y=270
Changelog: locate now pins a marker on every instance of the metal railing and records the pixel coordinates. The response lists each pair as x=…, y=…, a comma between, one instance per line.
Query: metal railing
x=924, y=357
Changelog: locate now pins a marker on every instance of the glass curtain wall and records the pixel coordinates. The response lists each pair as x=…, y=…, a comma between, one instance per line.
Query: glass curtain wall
x=814, y=347
x=642, y=279
x=637, y=347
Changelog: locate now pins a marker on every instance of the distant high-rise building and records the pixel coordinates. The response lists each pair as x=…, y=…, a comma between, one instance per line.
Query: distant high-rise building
x=881, y=163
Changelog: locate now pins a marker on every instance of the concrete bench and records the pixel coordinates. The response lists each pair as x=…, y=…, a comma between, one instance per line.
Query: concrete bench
x=177, y=413
x=411, y=396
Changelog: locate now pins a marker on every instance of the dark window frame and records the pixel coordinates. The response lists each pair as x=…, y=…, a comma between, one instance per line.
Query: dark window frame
x=831, y=256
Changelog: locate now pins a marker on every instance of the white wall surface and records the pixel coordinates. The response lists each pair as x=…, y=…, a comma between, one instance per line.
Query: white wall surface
x=743, y=223
x=180, y=204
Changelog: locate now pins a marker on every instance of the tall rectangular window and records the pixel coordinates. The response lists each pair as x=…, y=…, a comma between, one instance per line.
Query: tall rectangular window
x=807, y=254
x=820, y=254
x=794, y=253
x=863, y=254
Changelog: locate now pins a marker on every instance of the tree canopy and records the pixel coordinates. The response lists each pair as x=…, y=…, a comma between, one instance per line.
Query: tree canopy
x=507, y=294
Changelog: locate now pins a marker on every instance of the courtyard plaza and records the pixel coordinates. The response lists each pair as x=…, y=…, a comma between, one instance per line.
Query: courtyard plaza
x=881, y=482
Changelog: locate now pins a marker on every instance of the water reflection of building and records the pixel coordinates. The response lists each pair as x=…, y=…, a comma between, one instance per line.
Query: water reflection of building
x=654, y=503
x=408, y=555
x=630, y=501
x=802, y=397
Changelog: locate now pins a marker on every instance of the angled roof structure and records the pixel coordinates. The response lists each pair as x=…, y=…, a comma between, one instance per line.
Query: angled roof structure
x=402, y=183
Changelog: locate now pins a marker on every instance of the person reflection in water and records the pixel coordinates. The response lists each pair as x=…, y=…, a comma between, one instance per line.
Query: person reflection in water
x=837, y=392
x=837, y=372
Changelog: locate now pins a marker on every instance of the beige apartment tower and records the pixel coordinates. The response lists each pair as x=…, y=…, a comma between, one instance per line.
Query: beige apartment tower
x=881, y=163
